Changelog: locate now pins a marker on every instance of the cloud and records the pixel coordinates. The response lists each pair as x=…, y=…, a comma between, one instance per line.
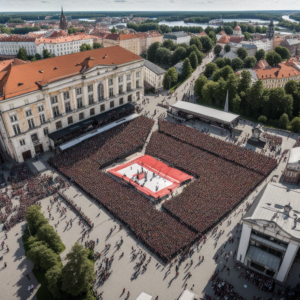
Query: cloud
x=120, y=1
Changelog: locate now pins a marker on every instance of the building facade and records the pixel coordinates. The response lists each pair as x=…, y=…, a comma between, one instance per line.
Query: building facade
x=49, y=95
x=178, y=37
x=10, y=45
x=270, y=235
x=153, y=75
x=271, y=30
x=292, y=169
x=293, y=45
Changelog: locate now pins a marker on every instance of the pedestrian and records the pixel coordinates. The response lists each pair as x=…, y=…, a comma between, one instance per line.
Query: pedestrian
x=28, y=276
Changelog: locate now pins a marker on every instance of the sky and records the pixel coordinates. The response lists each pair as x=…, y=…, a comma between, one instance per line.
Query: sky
x=144, y=5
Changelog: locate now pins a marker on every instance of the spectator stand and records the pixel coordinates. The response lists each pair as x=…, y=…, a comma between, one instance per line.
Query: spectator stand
x=205, y=114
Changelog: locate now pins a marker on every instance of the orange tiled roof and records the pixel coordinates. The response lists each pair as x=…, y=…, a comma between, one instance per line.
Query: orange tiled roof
x=203, y=33
x=281, y=71
x=237, y=27
x=222, y=32
x=121, y=36
x=142, y=35
x=262, y=64
x=4, y=64
x=236, y=39
x=223, y=40
x=69, y=38
x=17, y=38
x=30, y=77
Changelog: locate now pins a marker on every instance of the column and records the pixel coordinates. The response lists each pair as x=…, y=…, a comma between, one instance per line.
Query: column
x=105, y=83
x=73, y=98
x=95, y=90
x=62, y=106
x=85, y=97
x=115, y=84
x=48, y=106
x=244, y=242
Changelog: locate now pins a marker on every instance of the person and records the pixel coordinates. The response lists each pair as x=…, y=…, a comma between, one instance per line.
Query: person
x=28, y=276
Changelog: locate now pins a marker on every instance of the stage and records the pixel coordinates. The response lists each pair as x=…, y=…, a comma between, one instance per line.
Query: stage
x=151, y=176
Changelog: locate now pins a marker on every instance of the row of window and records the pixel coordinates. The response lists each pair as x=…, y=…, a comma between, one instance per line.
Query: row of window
x=34, y=137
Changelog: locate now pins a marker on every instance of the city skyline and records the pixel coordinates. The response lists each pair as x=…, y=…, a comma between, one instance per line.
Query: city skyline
x=143, y=5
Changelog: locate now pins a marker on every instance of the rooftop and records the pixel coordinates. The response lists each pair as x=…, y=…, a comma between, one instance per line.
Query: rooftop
x=293, y=41
x=294, y=156
x=269, y=206
x=175, y=35
x=26, y=78
x=120, y=36
x=154, y=68
x=62, y=39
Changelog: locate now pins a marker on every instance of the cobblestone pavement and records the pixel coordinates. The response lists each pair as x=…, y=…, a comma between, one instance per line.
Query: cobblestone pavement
x=159, y=279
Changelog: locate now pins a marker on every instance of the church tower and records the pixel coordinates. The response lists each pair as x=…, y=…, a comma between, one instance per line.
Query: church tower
x=63, y=24
x=271, y=30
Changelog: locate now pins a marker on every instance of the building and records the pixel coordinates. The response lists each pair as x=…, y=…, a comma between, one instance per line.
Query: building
x=237, y=30
x=6, y=64
x=276, y=41
x=153, y=75
x=251, y=49
x=271, y=232
x=293, y=45
x=277, y=76
x=63, y=24
x=292, y=169
x=265, y=44
x=271, y=30
x=10, y=45
x=220, y=34
x=50, y=95
x=178, y=37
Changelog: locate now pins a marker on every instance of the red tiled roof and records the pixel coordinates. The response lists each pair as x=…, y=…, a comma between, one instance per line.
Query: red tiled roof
x=262, y=64
x=62, y=39
x=121, y=36
x=236, y=39
x=237, y=27
x=223, y=40
x=17, y=38
x=15, y=62
x=281, y=71
x=222, y=32
x=30, y=77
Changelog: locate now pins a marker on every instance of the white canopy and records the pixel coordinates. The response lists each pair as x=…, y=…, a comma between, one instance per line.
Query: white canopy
x=144, y=296
x=294, y=156
x=187, y=295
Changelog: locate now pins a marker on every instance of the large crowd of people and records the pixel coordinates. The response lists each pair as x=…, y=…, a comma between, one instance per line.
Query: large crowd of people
x=297, y=144
x=273, y=141
x=251, y=160
x=220, y=184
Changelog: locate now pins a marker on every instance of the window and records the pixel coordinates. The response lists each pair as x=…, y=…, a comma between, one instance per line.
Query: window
x=55, y=111
x=42, y=119
x=14, y=118
x=54, y=99
x=92, y=111
x=111, y=104
x=121, y=101
x=40, y=108
x=111, y=92
x=110, y=81
x=30, y=123
x=78, y=91
x=137, y=74
x=102, y=107
x=79, y=102
x=34, y=137
x=81, y=116
x=68, y=106
x=129, y=98
x=91, y=99
x=11, y=106
x=28, y=113
x=121, y=79
x=58, y=125
x=46, y=132
x=137, y=84
x=90, y=88
x=66, y=95
x=129, y=77
x=100, y=92
x=22, y=142
x=128, y=87
x=70, y=120
x=120, y=89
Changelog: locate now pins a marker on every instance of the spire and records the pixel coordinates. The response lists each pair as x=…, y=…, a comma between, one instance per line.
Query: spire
x=271, y=22
x=226, y=103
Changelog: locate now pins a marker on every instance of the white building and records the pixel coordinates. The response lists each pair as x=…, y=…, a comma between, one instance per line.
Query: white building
x=271, y=232
x=265, y=44
x=292, y=170
x=154, y=75
x=51, y=95
x=177, y=37
x=10, y=45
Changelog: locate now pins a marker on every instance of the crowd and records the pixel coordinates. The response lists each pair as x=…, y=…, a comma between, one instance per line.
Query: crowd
x=244, y=157
x=158, y=230
x=293, y=293
x=262, y=282
x=297, y=144
x=274, y=142
x=220, y=184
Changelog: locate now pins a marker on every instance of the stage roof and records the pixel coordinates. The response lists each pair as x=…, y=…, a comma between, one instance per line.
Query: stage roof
x=205, y=112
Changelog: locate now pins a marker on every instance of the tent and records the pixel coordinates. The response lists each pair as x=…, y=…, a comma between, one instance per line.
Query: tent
x=187, y=295
x=144, y=296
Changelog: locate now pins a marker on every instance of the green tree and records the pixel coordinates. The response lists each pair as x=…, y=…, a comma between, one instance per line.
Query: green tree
x=210, y=69
x=222, y=73
x=228, y=30
x=280, y=103
x=273, y=58
x=220, y=62
x=33, y=59
x=207, y=43
x=284, y=121
x=113, y=30
x=196, y=41
x=242, y=53
x=213, y=36
x=217, y=50
x=85, y=47
x=208, y=92
x=47, y=234
x=260, y=54
x=199, y=54
x=178, y=55
x=227, y=48
x=227, y=61
x=38, y=56
x=255, y=99
x=97, y=45
x=295, y=124
x=78, y=273
x=283, y=52
x=251, y=29
x=35, y=218
x=245, y=81
x=292, y=87
x=169, y=44
x=236, y=103
x=151, y=52
x=194, y=60
x=187, y=69
x=262, y=119
x=53, y=279
x=232, y=85
x=247, y=36
x=250, y=62
x=22, y=54
x=47, y=54
x=258, y=29
x=162, y=55
x=237, y=64
x=199, y=84
x=174, y=77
